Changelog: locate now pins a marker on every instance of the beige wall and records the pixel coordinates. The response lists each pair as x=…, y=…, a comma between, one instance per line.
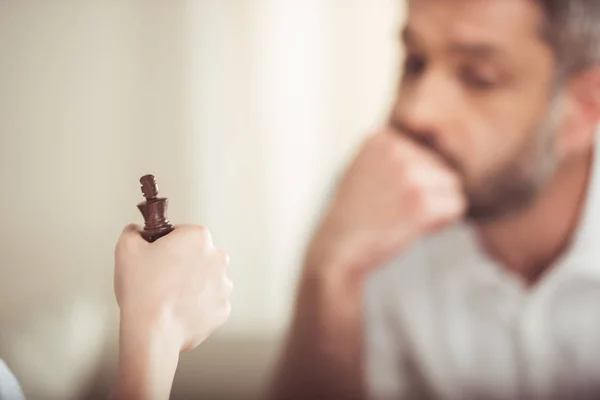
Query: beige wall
x=244, y=110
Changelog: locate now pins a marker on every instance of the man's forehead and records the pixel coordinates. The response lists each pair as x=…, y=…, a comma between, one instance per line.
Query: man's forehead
x=498, y=23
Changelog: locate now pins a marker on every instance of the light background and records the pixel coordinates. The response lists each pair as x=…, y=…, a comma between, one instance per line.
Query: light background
x=245, y=110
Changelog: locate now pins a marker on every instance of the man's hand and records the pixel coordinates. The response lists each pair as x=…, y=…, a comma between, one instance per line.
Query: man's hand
x=172, y=295
x=394, y=192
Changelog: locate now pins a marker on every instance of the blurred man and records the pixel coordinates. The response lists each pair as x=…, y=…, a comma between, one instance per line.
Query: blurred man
x=172, y=295
x=459, y=258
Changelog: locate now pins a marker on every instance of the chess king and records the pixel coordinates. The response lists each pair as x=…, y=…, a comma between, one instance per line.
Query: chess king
x=154, y=210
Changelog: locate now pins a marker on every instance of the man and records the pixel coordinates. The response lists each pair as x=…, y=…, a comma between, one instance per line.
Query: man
x=172, y=295
x=458, y=258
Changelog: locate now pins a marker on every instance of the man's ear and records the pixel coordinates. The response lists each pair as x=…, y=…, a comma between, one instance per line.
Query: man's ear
x=583, y=111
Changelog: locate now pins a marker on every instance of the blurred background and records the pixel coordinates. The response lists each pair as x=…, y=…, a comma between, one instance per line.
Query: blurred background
x=246, y=111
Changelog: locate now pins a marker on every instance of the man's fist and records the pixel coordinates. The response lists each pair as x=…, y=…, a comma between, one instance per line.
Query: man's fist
x=394, y=192
x=178, y=283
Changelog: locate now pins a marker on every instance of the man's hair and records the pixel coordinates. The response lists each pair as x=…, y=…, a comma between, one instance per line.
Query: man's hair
x=572, y=28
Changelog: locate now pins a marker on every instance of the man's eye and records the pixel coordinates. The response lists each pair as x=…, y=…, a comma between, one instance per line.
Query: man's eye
x=414, y=65
x=477, y=81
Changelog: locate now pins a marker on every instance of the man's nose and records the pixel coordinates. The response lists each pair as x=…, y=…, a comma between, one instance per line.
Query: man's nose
x=423, y=108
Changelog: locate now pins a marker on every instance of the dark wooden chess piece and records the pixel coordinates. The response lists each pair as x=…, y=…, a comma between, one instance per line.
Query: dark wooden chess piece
x=154, y=210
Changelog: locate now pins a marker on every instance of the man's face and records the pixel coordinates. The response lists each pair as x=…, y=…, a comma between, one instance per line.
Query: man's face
x=478, y=89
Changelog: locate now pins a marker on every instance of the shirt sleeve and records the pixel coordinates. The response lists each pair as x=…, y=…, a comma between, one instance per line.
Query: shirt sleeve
x=385, y=379
x=390, y=371
x=9, y=387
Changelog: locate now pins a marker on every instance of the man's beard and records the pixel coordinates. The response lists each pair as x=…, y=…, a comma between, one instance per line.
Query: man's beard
x=518, y=184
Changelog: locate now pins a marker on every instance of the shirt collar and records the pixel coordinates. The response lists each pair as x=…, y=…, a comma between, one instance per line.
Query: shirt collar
x=584, y=252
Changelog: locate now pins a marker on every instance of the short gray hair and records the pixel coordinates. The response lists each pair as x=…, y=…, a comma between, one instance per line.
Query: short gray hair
x=572, y=28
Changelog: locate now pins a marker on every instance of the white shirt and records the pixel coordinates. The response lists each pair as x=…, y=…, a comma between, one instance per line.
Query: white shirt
x=446, y=321
x=9, y=387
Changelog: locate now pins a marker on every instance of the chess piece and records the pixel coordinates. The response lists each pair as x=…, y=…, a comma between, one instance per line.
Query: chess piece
x=154, y=211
